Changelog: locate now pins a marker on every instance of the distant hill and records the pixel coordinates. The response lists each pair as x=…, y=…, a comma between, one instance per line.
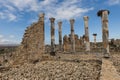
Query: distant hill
x=8, y=45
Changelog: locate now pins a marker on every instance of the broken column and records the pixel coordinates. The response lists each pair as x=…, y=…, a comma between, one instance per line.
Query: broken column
x=60, y=35
x=94, y=35
x=87, y=43
x=72, y=35
x=52, y=36
x=65, y=43
x=105, y=33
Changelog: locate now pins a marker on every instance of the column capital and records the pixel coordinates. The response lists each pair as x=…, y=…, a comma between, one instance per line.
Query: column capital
x=52, y=19
x=60, y=23
x=86, y=18
x=100, y=12
x=94, y=34
x=72, y=21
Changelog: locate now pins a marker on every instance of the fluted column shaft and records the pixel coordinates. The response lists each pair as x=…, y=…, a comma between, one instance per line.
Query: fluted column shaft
x=87, y=43
x=72, y=35
x=52, y=34
x=60, y=35
x=105, y=32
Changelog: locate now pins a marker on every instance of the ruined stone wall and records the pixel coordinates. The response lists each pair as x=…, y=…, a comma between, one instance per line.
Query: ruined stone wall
x=33, y=40
x=32, y=45
x=67, y=43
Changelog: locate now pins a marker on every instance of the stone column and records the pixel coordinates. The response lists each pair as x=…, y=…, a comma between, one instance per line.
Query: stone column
x=94, y=35
x=87, y=43
x=60, y=35
x=105, y=33
x=52, y=36
x=72, y=35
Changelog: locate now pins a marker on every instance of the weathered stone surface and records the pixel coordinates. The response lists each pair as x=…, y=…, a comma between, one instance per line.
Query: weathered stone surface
x=54, y=70
x=79, y=43
x=32, y=45
x=108, y=71
x=105, y=32
x=87, y=42
x=72, y=38
x=116, y=61
x=66, y=45
x=60, y=35
x=52, y=36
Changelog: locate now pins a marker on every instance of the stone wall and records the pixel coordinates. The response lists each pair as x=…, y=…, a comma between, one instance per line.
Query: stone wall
x=79, y=43
x=32, y=45
x=33, y=39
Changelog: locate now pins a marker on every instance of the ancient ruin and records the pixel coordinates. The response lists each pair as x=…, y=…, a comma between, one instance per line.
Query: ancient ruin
x=87, y=43
x=32, y=46
x=66, y=43
x=60, y=36
x=94, y=35
x=105, y=33
x=74, y=58
x=52, y=36
x=79, y=43
x=33, y=40
x=72, y=38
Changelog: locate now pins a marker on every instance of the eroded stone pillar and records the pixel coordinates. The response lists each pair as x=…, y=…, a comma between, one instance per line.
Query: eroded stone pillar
x=41, y=43
x=87, y=43
x=60, y=35
x=65, y=43
x=41, y=17
x=72, y=35
x=94, y=35
x=52, y=36
x=105, y=33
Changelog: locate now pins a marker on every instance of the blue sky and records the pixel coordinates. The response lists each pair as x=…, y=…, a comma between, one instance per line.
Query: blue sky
x=16, y=15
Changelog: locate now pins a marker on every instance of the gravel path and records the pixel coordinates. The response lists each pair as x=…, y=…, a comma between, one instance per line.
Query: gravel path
x=108, y=71
x=116, y=61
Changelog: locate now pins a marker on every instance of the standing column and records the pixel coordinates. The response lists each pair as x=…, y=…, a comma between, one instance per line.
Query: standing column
x=94, y=35
x=60, y=35
x=72, y=35
x=52, y=36
x=105, y=33
x=87, y=43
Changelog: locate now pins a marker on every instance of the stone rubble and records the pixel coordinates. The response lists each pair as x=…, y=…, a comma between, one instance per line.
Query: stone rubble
x=54, y=70
x=116, y=61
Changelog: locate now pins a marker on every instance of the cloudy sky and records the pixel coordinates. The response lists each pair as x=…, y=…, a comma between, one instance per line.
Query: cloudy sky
x=16, y=15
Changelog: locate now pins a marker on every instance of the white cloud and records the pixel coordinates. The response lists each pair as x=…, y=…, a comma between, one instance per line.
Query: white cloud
x=8, y=39
x=12, y=36
x=1, y=36
x=12, y=17
x=113, y=2
x=3, y=40
x=64, y=9
x=8, y=15
x=25, y=4
x=2, y=15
